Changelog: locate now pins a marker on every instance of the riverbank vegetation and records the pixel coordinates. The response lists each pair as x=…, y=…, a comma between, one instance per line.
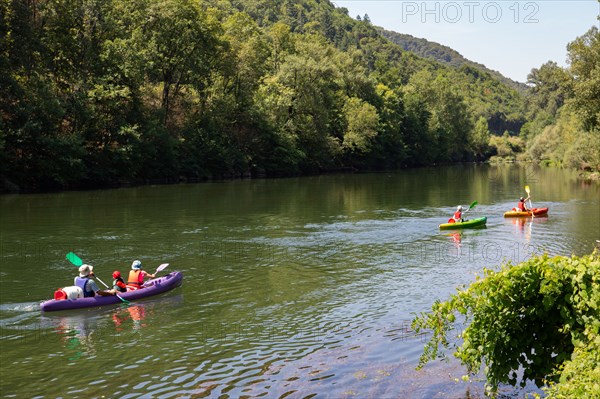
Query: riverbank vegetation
x=97, y=93
x=540, y=318
x=563, y=125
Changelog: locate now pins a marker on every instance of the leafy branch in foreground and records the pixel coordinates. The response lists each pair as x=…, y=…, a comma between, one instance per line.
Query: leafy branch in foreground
x=541, y=317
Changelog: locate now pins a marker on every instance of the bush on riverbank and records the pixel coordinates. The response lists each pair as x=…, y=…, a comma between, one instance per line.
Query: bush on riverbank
x=542, y=315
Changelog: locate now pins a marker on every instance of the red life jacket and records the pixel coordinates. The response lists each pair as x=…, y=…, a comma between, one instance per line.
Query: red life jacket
x=521, y=206
x=119, y=285
x=136, y=278
x=457, y=215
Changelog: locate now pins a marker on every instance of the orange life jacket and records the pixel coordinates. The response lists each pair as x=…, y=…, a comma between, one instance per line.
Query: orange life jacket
x=136, y=278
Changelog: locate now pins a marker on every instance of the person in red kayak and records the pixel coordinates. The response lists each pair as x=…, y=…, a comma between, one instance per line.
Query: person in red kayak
x=458, y=214
x=137, y=275
x=522, y=206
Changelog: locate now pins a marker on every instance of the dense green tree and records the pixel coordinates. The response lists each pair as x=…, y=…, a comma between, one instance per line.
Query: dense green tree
x=564, y=108
x=176, y=45
x=423, y=145
x=479, y=138
x=305, y=90
x=281, y=43
x=584, y=56
x=449, y=123
x=362, y=125
x=390, y=148
x=550, y=87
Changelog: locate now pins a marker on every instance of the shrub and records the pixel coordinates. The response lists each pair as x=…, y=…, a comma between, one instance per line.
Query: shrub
x=542, y=315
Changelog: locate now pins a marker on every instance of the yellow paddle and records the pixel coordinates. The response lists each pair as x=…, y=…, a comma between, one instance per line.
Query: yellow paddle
x=529, y=195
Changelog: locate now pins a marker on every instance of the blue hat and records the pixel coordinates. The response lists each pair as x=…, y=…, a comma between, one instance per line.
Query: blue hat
x=136, y=265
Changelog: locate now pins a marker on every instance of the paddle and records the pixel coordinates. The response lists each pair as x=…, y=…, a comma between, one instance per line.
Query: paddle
x=104, y=293
x=76, y=261
x=471, y=206
x=451, y=220
x=529, y=195
x=161, y=268
x=530, y=206
x=158, y=269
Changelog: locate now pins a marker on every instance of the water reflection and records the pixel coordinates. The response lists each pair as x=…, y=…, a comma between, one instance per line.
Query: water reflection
x=82, y=331
x=76, y=334
x=456, y=238
x=131, y=316
x=523, y=226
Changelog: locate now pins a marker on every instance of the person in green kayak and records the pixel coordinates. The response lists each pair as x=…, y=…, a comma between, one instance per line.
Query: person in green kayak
x=522, y=206
x=137, y=275
x=457, y=217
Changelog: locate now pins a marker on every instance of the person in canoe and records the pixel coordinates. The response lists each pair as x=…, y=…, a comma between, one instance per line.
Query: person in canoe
x=522, y=205
x=118, y=283
x=137, y=276
x=85, y=282
x=457, y=217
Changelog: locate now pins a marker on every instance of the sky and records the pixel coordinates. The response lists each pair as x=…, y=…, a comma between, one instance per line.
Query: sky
x=511, y=37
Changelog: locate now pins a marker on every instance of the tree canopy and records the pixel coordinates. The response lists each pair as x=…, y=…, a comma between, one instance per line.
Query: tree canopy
x=564, y=108
x=94, y=93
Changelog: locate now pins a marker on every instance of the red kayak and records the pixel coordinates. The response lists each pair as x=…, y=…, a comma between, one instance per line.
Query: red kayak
x=151, y=287
x=532, y=212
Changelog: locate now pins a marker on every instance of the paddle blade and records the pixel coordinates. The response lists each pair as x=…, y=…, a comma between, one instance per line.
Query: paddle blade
x=74, y=259
x=161, y=268
x=527, y=189
x=472, y=204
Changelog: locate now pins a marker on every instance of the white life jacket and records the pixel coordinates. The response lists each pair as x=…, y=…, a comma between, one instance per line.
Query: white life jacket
x=73, y=292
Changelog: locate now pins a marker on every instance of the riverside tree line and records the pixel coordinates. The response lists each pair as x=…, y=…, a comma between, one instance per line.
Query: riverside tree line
x=96, y=93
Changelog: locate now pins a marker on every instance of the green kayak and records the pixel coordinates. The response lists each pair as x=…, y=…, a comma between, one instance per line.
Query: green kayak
x=464, y=225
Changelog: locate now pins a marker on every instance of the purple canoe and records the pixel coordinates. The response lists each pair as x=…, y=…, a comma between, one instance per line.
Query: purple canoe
x=152, y=287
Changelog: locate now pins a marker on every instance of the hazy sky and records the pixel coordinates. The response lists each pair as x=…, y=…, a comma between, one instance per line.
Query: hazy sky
x=507, y=36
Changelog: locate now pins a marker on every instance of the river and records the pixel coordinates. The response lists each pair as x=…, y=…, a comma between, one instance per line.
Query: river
x=297, y=288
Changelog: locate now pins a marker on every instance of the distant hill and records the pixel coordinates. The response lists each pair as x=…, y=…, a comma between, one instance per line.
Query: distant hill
x=444, y=54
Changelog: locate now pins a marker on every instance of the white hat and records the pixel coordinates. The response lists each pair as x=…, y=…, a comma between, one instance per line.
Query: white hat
x=136, y=265
x=85, y=270
x=459, y=208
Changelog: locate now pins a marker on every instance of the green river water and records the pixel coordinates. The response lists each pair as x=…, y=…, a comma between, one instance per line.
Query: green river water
x=296, y=288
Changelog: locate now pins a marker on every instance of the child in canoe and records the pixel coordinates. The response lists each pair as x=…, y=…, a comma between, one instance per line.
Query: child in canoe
x=118, y=282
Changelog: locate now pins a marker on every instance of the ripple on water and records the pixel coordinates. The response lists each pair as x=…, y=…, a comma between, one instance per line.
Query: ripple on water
x=279, y=302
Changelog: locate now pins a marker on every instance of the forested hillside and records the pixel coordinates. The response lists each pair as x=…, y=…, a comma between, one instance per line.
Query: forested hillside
x=97, y=93
x=444, y=54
